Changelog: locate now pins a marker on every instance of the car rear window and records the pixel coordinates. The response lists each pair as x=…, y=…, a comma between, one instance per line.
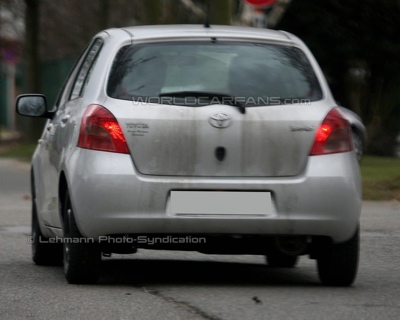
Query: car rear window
x=178, y=73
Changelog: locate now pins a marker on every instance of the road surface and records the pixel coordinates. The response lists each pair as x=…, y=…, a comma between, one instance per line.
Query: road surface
x=178, y=285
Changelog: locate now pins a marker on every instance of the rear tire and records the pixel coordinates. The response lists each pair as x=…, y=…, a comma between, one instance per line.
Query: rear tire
x=81, y=258
x=281, y=260
x=338, y=263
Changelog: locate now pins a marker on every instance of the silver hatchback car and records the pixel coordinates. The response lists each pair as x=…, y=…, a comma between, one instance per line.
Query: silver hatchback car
x=217, y=140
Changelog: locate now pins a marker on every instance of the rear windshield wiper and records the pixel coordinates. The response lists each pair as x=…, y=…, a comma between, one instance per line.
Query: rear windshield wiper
x=222, y=98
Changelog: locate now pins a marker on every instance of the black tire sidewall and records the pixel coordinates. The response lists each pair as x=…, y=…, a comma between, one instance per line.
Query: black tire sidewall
x=338, y=263
x=81, y=258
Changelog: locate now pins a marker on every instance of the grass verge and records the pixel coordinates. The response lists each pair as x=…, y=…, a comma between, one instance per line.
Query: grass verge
x=20, y=151
x=381, y=176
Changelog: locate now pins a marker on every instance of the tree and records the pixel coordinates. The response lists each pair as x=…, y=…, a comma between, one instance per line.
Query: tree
x=104, y=16
x=221, y=11
x=152, y=11
x=32, y=45
x=32, y=80
x=73, y=23
x=356, y=44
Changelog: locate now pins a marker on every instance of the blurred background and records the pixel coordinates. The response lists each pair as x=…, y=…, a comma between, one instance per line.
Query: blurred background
x=355, y=41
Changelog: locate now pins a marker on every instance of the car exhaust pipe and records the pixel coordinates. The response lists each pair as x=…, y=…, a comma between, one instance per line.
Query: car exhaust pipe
x=292, y=245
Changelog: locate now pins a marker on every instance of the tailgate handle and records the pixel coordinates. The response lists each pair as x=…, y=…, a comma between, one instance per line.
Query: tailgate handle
x=220, y=153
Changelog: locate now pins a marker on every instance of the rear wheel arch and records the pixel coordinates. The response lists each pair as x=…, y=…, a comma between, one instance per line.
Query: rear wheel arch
x=62, y=188
x=43, y=252
x=33, y=191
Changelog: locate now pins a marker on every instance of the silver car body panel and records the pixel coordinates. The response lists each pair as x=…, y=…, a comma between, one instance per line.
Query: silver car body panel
x=179, y=141
x=111, y=197
x=173, y=150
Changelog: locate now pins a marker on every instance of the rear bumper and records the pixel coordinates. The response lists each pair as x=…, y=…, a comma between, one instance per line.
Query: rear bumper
x=110, y=197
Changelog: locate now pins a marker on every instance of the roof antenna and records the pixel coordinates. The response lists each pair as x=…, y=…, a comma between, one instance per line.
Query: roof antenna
x=208, y=14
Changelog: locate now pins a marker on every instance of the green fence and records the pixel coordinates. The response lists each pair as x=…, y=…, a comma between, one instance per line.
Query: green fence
x=52, y=75
x=3, y=101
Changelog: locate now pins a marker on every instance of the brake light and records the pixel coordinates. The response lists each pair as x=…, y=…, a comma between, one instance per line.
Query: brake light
x=333, y=135
x=101, y=131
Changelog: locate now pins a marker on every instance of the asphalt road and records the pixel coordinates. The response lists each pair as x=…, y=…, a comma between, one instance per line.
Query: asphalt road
x=179, y=285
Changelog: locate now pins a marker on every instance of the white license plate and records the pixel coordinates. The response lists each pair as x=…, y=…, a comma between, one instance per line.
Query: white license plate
x=220, y=203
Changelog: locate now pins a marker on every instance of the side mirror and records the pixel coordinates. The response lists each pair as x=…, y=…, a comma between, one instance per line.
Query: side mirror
x=33, y=105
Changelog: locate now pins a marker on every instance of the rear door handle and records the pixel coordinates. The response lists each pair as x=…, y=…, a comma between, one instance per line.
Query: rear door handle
x=65, y=119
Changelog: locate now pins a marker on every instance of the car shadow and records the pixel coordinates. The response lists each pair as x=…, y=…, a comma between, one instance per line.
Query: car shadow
x=166, y=272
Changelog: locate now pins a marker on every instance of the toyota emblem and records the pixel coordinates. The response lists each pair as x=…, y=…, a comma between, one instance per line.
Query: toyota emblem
x=220, y=120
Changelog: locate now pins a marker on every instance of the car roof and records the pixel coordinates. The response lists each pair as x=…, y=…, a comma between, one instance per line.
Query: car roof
x=200, y=31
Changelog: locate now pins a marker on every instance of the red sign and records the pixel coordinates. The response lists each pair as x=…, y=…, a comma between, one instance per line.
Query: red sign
x=262, y=3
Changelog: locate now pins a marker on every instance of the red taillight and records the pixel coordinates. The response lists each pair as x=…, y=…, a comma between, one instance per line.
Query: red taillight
x=333, y=135
x=101, y=131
